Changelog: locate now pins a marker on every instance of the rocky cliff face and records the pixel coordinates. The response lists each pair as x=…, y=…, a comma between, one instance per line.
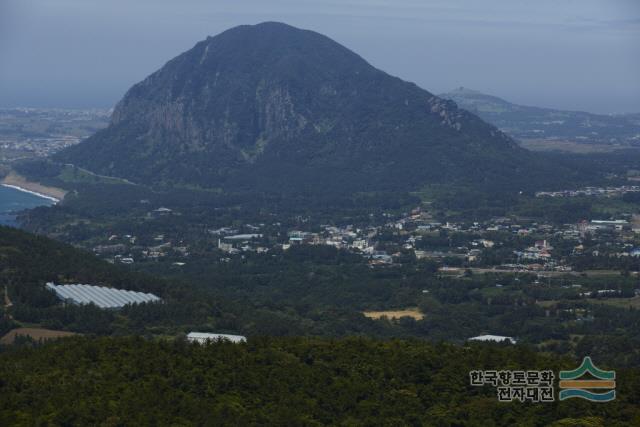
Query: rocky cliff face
x=274, y=107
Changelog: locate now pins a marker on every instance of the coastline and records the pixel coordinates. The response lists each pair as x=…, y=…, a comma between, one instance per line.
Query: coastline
x=24, y=190
x=17, y=182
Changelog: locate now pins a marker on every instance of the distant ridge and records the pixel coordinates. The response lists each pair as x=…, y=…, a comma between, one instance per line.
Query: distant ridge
x=526, y=122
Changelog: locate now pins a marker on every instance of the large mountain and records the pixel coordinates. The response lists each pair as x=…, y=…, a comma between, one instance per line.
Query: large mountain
x=537, y=123
x=271, y=106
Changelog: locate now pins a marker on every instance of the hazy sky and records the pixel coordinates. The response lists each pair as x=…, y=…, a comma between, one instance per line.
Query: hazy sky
x=577, y=54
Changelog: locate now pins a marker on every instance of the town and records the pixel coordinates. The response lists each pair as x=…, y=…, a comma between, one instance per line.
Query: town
x=592, y=191
x=499, y=244
x=34, y=132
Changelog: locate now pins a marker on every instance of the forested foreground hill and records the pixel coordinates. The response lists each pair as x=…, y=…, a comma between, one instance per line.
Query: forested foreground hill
x=131, y=381
x=26, y=258
x=28, y=261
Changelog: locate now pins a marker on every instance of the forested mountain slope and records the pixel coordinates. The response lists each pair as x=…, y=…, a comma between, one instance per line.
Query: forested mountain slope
x=271, y=107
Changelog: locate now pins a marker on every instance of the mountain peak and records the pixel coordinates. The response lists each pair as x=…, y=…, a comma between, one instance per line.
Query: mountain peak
x=269, y=31
x=274, y=44
x=272, y=106
x=267, y=26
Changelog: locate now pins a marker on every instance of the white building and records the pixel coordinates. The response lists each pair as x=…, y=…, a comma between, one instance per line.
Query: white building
x=492, y=338
x=103, y=297
x=204, y=337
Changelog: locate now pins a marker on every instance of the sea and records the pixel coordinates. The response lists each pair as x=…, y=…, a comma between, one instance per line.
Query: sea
x=13, y=201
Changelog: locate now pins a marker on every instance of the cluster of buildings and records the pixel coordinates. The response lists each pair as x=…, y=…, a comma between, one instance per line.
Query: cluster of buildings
x=541, y=250
x=34, y=132
x=417, y=234
x=126, y=249
x=35, y=146
x=236, y=243
x=592, y=191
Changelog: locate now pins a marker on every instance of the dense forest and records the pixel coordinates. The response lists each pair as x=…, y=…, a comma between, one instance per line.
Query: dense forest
x=292, y=381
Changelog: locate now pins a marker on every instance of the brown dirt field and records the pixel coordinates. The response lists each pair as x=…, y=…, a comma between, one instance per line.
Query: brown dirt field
x=547, y=303
x=35, y=333
x=395, y=314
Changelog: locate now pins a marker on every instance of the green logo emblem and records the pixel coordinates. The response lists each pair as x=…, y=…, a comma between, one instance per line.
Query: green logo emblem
x=572, y=386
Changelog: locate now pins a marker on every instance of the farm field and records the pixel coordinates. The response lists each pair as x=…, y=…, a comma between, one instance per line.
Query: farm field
x=414, y=313
x=35, y=333
x=620, y=302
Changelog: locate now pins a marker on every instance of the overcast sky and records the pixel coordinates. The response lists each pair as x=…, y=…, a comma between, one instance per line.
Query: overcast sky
x=574, y=54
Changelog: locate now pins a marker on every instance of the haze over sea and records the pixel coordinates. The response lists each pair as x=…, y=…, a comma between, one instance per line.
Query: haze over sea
x=13, y=201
